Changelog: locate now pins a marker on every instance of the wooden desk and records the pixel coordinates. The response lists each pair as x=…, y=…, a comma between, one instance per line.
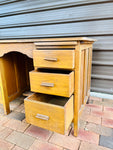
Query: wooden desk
x=14, y=68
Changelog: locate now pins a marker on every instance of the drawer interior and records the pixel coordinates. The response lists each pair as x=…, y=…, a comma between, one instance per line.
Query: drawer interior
x=53, y=100
x=44, y=70
x=54, y=113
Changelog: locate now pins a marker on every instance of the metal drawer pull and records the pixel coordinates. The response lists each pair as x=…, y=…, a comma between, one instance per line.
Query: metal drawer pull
x=43, y=117
x=50, y=59
x=47, y=84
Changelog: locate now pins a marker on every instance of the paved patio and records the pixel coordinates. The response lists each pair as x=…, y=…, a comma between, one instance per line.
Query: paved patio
x=96, y=129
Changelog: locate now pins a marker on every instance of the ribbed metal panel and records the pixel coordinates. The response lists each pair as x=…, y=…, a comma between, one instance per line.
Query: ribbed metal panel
x=7, y=1
x=102, y=71
x=26, y=6
x=65, y=29
x=55, y=18
x=61, y=15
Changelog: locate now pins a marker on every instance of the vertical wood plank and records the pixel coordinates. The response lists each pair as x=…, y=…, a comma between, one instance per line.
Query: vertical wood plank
x=28, y=67
x=16, y=72
x=9, y=74
x=5, y=100
x=85, y=73
x=77, y=87
x=89, y=70
x=82, y=78
x=0, y=94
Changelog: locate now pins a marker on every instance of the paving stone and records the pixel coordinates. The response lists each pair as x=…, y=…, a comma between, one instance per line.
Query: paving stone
x=98, y=113
x=38, y=132
x=24, y=120
x=98, y=103
x=4, y=145
x=23, y=111
x=99, y=129
x=108, y=115
x=108, y=109
x=93, y=127
x=87, y=136
x=86, y=110
x=1, y=109
x=90, y=146
x=106, y=131
x=17, y=125
x=2, y=128
x=3, y=120
x=15, y=103
x=94, y=107
x=41, y=145
x=1, y=106
x=95, y=98
x=20, y=139
x=1, y=115
x=107, y=122
x=17, y=148
x=82, y=124
x=91, y=118
x=13, y=124
x=89, y=102
x=68, y=142
x=106, y=141
x=107, y=102
x=20, y=108
x=4, y=133
x=16, y=115
x=90, y=129
x=108, y=112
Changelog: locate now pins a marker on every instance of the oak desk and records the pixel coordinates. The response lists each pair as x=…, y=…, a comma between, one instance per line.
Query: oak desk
x=15, y=67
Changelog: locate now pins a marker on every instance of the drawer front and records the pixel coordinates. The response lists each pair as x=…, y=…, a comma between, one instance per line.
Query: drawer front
x=54, y=58
x=52, y=83
x=52, y=117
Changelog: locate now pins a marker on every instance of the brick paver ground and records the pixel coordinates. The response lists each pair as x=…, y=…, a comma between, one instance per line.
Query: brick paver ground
x=95, y=132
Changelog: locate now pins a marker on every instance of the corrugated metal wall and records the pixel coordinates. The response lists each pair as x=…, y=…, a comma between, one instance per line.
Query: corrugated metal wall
x=51, y=18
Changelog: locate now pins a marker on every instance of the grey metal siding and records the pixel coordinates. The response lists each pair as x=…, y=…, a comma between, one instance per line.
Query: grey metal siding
x=79, y=13
x=55, y=18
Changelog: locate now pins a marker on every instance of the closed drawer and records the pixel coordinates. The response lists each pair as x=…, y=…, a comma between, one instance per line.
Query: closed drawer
x=50, y=112
x=54, y=59
x=52, y=82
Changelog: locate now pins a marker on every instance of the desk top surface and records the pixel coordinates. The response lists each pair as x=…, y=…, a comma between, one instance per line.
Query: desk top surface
x=48, y=39
x=26, y=46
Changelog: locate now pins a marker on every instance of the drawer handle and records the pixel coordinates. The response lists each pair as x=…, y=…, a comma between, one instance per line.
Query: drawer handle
x=43, y=117
x=47, y=84
x=50, y=59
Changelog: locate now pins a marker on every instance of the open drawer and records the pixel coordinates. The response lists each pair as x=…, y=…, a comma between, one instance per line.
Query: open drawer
x=50, y=112
x=54, y=82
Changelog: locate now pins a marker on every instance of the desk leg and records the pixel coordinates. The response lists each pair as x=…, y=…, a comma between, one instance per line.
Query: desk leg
x=4, y=93
x=77, y=90
x=5, y=101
